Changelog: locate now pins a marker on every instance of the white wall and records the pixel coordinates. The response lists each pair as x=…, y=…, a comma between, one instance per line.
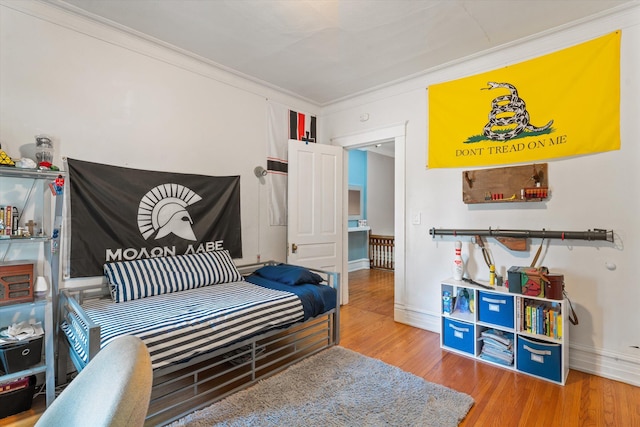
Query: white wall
x=594, y=191
x=108, y=97
x=380, y=171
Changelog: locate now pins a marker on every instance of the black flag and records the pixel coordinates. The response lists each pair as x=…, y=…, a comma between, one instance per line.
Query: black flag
x=122, y=214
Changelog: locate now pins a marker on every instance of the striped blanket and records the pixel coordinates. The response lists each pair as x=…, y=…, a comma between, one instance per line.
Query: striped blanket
x=178, y=326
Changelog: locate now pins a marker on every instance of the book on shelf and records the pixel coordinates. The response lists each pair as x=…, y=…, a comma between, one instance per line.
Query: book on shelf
x=541, y=318
x=559, y=326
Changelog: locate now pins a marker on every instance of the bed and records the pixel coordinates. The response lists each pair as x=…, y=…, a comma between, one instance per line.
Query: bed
x=211, y=328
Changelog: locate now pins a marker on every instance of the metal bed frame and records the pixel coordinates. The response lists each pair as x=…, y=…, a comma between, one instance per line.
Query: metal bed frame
x=184, y=387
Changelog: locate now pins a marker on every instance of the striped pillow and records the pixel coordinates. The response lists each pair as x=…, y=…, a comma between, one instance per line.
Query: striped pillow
x=143, y=278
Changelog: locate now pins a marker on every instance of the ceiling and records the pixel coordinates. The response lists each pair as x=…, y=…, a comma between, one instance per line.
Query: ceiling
x=328, y=50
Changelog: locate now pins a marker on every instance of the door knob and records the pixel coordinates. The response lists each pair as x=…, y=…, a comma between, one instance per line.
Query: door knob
x=294, y=248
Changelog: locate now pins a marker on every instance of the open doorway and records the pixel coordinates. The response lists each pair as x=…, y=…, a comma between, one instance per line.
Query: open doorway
x=396, y=135
x=371, y=172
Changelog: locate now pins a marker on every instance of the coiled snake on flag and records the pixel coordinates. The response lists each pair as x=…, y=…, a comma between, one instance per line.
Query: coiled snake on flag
x=511, y=103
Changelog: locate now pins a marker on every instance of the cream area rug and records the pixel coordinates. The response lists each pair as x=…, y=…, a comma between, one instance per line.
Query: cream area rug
x=337, y=387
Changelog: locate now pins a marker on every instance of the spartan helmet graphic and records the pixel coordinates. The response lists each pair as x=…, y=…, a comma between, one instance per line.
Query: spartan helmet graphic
x=163, y=210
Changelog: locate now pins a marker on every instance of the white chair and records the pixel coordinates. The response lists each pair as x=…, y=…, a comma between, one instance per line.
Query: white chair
x=114, y=389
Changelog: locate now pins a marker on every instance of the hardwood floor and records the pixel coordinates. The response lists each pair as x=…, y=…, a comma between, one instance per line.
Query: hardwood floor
x=503, y=397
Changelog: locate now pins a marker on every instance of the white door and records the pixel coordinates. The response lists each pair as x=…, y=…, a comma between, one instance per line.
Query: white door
x=314, y=230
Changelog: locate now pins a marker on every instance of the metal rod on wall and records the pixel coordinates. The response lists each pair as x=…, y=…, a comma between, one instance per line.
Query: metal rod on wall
x=504, y=235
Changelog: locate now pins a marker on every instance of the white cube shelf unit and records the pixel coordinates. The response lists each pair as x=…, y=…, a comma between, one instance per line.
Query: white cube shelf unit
x=537, y=329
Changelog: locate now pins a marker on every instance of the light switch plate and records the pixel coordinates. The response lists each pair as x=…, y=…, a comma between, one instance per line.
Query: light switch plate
x=415, y=218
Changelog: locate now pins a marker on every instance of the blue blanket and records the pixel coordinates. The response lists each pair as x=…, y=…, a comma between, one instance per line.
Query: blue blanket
x=316, y=298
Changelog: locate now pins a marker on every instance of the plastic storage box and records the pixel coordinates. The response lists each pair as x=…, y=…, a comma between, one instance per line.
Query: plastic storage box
x=16, y=396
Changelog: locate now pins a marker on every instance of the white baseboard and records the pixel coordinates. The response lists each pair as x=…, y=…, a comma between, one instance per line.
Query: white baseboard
x=417, y=318
x=606, y=364
x=359, y=264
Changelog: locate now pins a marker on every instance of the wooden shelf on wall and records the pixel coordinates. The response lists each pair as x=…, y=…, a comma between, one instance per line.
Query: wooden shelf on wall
x=528, y=183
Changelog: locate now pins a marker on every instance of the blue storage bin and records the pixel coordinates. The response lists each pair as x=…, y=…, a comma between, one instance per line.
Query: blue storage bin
x=540, y=358
x=496, y=309
x=458, y=335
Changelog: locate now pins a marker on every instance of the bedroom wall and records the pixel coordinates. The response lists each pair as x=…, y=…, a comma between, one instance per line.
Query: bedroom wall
x=593, y=191
x=380, y=193
x=358, y=177
x=111, y=98
x=107, y=97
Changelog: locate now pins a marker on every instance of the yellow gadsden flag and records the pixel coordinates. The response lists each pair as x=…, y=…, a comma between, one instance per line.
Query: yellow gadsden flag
x=563, y=104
